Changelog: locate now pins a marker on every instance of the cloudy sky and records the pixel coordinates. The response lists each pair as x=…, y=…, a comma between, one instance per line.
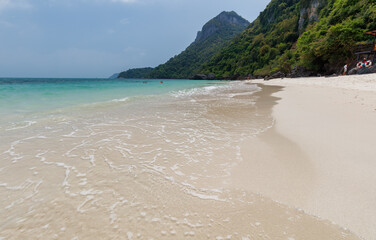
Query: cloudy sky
x=95, y=38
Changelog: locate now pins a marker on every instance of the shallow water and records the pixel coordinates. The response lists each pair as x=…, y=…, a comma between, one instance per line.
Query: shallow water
x=141, y=166
x=25, y=99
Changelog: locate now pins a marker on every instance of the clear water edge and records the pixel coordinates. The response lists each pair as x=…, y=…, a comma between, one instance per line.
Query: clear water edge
x=25, y=99
x=136, y=160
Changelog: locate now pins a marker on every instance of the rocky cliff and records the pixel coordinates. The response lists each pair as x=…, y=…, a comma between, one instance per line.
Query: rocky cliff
x=215, y=25
x=309, y=13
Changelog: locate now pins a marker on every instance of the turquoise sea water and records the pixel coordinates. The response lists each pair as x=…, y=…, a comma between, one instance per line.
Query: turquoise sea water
x=98, y=158
x=108, y=159
x=23, y=97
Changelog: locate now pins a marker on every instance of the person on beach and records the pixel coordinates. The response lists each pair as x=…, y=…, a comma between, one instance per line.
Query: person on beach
x=345, y=69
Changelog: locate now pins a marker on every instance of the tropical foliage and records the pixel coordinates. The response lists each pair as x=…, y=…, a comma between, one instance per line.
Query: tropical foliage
x=268, y=38
x=329, y=44
x=136, y=73
x=283, y=37
x=319, y=35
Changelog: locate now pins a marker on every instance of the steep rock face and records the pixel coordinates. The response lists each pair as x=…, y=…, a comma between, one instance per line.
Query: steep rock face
x=216, y=24
x=309, y=13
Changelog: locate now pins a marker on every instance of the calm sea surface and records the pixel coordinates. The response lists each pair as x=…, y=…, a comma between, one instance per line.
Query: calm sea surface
x=24, y=98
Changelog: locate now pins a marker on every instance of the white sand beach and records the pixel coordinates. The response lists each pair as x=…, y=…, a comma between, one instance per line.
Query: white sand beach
x=192, y=164
x=320, y=156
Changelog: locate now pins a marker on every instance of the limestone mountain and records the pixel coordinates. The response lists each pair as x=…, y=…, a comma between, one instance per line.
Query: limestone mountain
x=226, y=25
x=215, y=35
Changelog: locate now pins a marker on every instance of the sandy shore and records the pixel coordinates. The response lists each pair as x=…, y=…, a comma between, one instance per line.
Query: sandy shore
x=192, y=166
x=320, y=155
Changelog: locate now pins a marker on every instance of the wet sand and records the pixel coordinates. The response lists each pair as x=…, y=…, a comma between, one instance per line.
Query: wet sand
x=188, y=167
x=320, y=156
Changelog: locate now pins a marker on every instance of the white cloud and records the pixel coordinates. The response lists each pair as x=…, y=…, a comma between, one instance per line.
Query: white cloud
x=14, y=4
x=4, y=4
x=124, y=21
x=111, y=31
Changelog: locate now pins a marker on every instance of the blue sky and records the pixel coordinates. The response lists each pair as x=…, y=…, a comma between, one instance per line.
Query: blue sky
x=95, y=38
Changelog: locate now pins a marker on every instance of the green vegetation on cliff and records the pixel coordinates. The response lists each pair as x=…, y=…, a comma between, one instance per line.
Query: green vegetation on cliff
x=214, y=36
x=317, y=34
x=328, y=44
x=269, y=37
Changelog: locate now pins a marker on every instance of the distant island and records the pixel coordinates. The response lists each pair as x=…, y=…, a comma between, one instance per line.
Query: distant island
x=290, y=38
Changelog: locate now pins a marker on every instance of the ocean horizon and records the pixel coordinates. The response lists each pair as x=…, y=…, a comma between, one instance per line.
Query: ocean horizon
x=22, y=99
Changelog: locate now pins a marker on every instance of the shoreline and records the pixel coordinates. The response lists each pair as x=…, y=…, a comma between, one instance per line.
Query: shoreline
x=319, y=156
x=149, y=169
